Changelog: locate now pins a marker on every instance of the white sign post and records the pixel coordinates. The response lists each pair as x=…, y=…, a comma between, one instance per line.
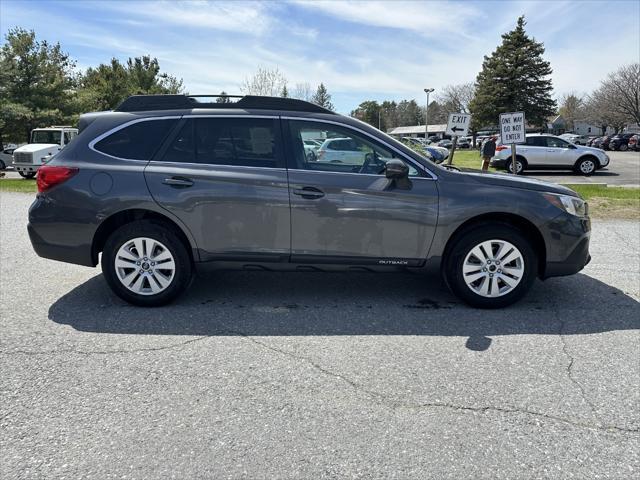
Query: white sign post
x=458, y=125
x=513, y=131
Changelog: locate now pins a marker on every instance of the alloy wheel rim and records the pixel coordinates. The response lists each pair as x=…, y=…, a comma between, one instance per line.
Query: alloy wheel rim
x=587, y=166
x=493, y=268
x=145, y=266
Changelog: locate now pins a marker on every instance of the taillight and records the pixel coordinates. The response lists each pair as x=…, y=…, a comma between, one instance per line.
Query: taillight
x=499, y=148
x=52, y=175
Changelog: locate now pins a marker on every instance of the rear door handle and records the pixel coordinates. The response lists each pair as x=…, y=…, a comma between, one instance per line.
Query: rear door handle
x=178, y=182
x=309, y=193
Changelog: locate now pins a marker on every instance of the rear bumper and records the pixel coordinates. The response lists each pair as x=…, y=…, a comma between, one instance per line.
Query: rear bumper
x=498, y=162
x=62, y=253
x=57, y=239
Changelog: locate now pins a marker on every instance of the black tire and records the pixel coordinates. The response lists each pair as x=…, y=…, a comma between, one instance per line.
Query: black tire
x=27, y=175
x=623, y=147
x=586, y=165
x=2, y=165
x=466, y=241
x=156, y=231
x=521, y=165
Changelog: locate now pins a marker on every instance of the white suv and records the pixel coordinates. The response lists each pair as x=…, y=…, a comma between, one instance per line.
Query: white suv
x=550, y=152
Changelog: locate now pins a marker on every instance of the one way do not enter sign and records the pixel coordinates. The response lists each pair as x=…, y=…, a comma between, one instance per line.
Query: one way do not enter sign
x=458, y=124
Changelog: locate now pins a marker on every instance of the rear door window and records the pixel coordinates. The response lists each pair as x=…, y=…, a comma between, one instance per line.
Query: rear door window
x=244, y=142
x=138, y=141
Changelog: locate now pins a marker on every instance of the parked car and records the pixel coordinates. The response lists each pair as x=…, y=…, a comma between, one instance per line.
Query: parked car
x=542, y=151
x=445, y=143
x=164, y=184
x=6, y=157
x=463, y=142
x=634, y=143
x=591, y=140
x=620, y=142
x=575, y=138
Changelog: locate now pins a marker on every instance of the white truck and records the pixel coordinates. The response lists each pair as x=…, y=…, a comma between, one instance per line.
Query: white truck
x=44, y=144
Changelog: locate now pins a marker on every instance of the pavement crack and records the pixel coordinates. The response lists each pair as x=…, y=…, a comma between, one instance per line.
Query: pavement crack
x=103, y=352
x=383, y=399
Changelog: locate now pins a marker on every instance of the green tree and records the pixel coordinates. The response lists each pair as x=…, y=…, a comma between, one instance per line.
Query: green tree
x=107, y=85
x=515, y=77
x=322, y=97
x=37, y=81
x=284, y=93
x=369, y=112
x=410, y=113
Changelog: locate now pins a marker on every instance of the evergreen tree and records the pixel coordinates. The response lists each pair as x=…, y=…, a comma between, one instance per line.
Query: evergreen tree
x=322, y=97
x=369, y=112
x=514, y=78
x=107, y=85
x=285, y=92
x=36, y=85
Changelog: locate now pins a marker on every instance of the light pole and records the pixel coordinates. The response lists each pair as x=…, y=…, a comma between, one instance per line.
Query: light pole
x=426, y=114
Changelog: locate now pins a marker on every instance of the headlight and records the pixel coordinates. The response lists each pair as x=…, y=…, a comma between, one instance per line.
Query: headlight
x=573, y=205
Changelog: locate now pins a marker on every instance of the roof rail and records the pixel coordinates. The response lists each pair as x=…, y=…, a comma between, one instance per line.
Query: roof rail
x=143, y=103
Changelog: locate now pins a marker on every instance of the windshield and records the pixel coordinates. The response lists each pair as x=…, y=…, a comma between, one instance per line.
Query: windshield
x=46, y=136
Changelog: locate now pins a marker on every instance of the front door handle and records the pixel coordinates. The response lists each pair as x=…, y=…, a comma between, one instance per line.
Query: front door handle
x=309, y=193
x=178, y=182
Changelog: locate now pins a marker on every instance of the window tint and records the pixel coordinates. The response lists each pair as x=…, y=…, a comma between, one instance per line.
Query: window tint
x=536, y=142
x=138, y=141
x=556, y=142
x=249, y=142
x=338, y=149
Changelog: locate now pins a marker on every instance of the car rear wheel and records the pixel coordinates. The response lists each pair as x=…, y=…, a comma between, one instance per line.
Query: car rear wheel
x=623, y=147
x=519, y=166
x=586, y=166
x=491, y=266
x=146, y=264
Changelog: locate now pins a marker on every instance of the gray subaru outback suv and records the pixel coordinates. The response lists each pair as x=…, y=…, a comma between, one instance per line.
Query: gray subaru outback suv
x=166, y=182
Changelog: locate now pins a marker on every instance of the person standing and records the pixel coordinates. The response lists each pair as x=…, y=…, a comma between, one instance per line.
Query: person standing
x=488, y=150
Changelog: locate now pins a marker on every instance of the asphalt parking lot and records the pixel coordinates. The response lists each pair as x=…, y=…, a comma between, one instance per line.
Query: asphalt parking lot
x=306, y=375
x=624, y=169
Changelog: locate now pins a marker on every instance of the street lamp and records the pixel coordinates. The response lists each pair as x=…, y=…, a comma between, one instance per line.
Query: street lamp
x=426, y=114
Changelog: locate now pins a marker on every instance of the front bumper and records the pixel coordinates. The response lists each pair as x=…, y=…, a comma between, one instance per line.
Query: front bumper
x=27, y=168
x=567, y=243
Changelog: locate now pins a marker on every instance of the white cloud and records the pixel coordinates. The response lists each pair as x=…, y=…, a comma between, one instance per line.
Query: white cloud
x=425, y=18
x=240, y=17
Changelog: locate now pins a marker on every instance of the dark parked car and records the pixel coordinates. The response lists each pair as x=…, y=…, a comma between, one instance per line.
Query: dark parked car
x=445, y=143
x=165, y=183
x=620, y=142
x=602, y=142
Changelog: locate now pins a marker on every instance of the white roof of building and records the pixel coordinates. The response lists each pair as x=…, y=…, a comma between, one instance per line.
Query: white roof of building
x=417, y=129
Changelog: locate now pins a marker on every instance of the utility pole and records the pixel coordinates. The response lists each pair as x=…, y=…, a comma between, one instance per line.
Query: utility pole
x=426, y=114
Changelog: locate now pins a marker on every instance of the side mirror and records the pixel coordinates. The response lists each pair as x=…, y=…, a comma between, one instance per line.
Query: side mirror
x=396, y=170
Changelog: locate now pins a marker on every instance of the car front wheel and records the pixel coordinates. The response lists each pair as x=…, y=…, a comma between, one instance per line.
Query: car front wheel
x=491, y=266
x=586, y=166
x=27, y=174
x=146, y=264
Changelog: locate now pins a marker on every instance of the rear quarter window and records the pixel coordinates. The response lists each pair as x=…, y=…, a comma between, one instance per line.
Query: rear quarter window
x=138, y=141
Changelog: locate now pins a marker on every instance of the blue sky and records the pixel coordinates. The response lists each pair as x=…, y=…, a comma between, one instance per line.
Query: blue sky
x=360, y=50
